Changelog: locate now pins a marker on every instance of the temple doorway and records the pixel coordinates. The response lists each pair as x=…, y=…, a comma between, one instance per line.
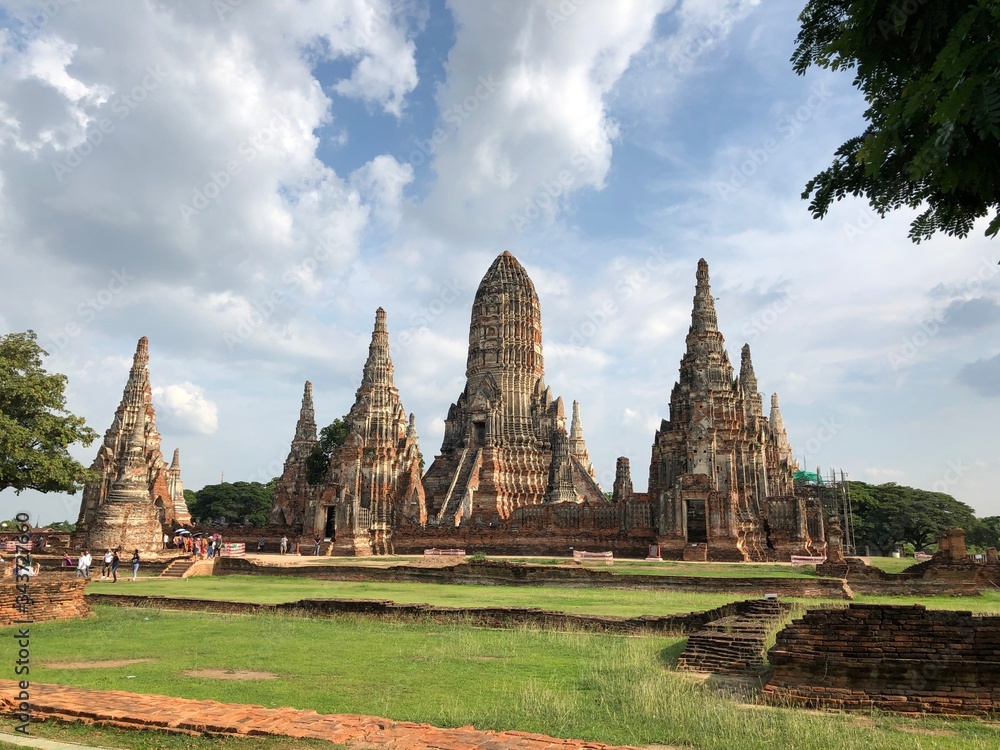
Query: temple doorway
x=697, y=529
x=330, y=526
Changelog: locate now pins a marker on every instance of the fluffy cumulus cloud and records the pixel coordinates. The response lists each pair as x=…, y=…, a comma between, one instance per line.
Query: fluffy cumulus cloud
x=523, y=117
x=183, y=406
x=185, y=149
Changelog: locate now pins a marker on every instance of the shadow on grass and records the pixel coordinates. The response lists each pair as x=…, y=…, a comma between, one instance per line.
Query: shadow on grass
x=667, y=657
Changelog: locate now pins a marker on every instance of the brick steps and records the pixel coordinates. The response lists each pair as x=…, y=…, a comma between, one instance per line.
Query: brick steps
x=179, y=567
x=733, y=644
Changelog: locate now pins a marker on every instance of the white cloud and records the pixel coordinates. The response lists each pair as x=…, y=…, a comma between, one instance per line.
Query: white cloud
x=524, y=117
x=184, y=406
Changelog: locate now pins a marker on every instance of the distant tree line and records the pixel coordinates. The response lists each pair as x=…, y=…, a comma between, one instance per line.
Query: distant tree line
x=231, y=502
x=889, y=516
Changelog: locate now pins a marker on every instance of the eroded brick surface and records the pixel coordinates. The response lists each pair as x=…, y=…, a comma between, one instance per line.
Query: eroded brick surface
x=902, y=659
x=135, y=711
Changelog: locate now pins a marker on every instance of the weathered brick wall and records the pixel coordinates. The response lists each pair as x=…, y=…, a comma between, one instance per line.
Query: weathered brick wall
x=52, y=596
x=504, y=573
x=904, y=659
x=411, y=540
x=937, y=576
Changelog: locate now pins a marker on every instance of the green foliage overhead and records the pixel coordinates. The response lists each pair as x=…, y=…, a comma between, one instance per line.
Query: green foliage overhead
x=985, y=533
x=930, y=72
x=889, y=515
x=236, y=502
x=35, y=427
x=318, y=462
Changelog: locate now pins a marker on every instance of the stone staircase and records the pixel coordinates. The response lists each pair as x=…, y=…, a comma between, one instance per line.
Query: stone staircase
x=182, y=567
x=734, y=644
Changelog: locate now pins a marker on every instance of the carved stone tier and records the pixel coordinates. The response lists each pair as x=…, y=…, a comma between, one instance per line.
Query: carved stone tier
x=505, y=442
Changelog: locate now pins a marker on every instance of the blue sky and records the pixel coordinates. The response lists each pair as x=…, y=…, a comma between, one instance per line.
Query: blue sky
x=245, y=183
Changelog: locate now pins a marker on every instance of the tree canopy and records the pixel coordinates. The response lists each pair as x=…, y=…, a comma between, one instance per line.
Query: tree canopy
x=330, y=437
x=236, y=502
x=930, y=72
x=889, y=515
x=36, y=429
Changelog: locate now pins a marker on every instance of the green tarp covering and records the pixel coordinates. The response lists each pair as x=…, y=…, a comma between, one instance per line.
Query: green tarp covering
x=808, y=476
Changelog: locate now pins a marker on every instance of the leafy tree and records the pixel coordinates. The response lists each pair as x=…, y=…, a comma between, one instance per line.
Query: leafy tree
x=330, y=438
x=63, y=526
x=985, y=533
x=35, y=427
x=189, y=498
x=930, y=72
x=887, y=515
x=234, y=501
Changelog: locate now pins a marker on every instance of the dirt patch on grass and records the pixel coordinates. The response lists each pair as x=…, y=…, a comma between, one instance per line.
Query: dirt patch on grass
x=931, y=732
x=231, y=674
x=107, y=663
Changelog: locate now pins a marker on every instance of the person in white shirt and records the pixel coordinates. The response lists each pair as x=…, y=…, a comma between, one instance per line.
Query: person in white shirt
x=83, y=565
x=106, y=570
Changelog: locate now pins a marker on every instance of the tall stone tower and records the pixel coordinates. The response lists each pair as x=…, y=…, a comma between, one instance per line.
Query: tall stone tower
x=176, y=489
x=134, y=411
x=292, y=492
x=720, y=474
x=505, y=442
x=373, y=481
x=127, y=520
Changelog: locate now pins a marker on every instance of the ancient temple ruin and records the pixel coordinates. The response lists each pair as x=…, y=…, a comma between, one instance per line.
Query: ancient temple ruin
x=720, y=475
x=142, y=490
x=126, y=519
x=505, y=443
x=292, y=490
x=511, y=478
x=373, y=478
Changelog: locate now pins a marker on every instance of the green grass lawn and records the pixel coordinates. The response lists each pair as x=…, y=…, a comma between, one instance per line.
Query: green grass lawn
x=672, y=568
x=891, y=564
x=597, y=687
x=273, y=589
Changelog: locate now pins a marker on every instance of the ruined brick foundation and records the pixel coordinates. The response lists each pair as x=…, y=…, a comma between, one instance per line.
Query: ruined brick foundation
x=54, y=596
x=901, y=659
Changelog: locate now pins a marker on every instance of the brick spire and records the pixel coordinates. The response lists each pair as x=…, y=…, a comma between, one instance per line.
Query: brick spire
x=748, y=381
x=305, y=428
x=622, y=489
x=577, y=445
x=378, y=368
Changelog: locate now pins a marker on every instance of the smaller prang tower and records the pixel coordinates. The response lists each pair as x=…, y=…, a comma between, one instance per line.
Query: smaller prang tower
x=373, y=479
x=292, y=493
x=721, y=473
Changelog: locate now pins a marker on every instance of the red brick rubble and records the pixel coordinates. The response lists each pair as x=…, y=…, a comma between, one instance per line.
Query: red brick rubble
x=135, y=711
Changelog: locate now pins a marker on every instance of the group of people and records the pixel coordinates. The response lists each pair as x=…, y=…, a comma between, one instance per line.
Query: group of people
x=112, y=561
x=199, y=545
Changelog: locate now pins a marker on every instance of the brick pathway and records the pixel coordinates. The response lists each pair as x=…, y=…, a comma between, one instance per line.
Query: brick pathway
x=137, y=711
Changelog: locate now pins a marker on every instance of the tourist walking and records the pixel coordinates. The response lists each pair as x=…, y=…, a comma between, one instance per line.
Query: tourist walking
x=284, y=545
x=115, y=562
x=106, y=568
x=135, y=564
x=260, y=546
x=316, y=551
x=83, y=565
